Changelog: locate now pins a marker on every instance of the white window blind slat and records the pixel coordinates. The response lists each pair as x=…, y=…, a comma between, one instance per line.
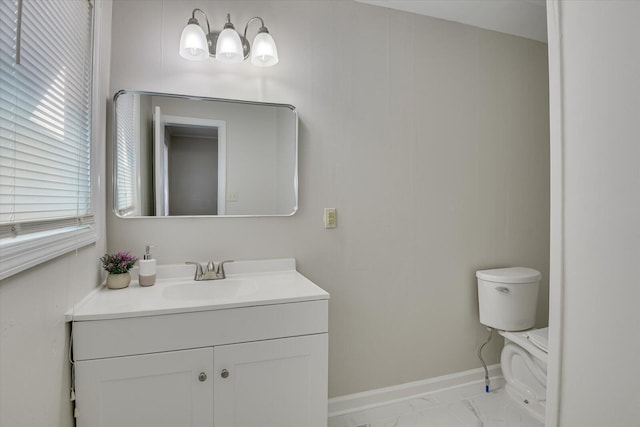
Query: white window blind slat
x=49, y=91
x=59, y=74
x=45, y=121
x=64, y=58
x=34, y=186
x=42, y=124
x=25, y=169
x=127, y=156
x=64, y=54
x=28, y=141
x=25, y=134
x=65, y=14
x=24, y=165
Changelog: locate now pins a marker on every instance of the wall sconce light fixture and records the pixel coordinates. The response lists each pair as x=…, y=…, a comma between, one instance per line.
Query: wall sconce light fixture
x=227, y=45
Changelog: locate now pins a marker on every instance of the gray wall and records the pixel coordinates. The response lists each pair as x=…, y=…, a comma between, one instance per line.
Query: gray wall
x=429, y=137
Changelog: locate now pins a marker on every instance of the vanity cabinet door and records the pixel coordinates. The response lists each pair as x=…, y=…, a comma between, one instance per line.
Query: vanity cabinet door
x=160, y=390
x=272, y=383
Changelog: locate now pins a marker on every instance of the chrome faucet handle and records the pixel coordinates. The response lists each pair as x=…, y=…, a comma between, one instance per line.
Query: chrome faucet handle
x=199, y=272
x=210, y=272
x=220, y=273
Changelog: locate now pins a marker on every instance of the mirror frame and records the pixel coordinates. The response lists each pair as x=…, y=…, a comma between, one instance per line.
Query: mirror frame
x=114, y=158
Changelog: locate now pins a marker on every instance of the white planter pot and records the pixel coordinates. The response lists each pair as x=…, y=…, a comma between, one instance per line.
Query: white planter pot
x=118, y=281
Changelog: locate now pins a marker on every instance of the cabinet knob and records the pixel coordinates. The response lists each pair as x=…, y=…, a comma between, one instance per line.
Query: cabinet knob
x=202, y=377
x=224, y=373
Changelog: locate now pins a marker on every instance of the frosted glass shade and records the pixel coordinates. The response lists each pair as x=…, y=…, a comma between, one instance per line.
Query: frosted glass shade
x=229, y=47
x=193, y=43
x=264, y=52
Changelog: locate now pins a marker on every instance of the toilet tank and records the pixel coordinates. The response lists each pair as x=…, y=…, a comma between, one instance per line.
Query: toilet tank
x=508, y=297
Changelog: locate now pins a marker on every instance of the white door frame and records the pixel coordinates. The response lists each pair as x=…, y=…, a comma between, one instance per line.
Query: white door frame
x=556, y=248
x=160, y=158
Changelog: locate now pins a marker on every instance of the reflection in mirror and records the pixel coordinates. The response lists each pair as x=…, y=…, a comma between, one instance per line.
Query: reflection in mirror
x=177, y=155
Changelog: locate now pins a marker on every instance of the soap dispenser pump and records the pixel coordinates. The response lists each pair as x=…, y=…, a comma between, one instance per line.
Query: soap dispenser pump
x=147, y=272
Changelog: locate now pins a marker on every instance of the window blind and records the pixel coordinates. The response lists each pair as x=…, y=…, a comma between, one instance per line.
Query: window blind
x=46, y=52
x=45, y=115
x=127, y=154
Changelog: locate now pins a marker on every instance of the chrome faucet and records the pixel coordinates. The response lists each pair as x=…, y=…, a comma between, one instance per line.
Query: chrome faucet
x=210, y=273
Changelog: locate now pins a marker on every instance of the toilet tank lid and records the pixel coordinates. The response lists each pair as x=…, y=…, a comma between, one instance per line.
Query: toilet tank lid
x=509, y=275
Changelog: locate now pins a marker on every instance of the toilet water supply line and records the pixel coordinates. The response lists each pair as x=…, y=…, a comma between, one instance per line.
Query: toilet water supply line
x=486, y=371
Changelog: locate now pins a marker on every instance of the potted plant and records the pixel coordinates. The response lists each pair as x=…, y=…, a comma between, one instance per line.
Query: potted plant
x=118, y=266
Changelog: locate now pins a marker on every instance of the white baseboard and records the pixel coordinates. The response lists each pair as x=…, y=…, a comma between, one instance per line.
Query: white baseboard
x=382, y=396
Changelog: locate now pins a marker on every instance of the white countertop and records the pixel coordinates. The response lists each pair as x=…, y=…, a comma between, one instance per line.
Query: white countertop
x=248, y=283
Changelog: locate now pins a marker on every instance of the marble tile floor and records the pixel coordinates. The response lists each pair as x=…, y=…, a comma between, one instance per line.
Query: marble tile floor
x=463, y=406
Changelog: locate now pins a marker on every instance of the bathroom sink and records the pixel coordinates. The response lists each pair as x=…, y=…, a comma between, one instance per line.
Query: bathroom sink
x=210, y=289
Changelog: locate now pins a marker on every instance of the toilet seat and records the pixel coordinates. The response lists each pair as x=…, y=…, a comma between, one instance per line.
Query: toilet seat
x=539, y=338
x=531, y=341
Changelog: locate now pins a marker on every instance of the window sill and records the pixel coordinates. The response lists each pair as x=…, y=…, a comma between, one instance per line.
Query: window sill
x=23, y=252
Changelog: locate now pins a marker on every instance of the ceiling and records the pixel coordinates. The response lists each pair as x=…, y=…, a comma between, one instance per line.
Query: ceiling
x=524, y=18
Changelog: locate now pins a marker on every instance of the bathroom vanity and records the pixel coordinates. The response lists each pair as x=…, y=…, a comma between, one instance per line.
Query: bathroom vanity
x=249, y=350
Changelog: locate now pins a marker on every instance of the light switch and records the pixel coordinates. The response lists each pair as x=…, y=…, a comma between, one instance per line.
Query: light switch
x=330, y=220
x=232, y=196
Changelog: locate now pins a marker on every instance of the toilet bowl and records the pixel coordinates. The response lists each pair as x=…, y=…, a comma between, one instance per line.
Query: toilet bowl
x=508, y=300
x=524, y=366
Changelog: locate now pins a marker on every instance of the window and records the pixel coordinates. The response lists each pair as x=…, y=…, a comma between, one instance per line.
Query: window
x=45, y=130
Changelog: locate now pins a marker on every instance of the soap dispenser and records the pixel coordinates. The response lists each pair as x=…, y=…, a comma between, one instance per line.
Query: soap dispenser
x=147, y=272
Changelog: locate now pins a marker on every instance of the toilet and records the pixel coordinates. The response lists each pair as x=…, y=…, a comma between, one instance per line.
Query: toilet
x=508, y=298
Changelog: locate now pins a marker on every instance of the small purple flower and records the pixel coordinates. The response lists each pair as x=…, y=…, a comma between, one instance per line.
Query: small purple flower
x=120, y=262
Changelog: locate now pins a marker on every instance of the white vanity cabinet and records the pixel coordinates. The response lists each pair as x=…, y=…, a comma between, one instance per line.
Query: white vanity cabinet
x=258, y=362
x=161, y=389
x=271, y=383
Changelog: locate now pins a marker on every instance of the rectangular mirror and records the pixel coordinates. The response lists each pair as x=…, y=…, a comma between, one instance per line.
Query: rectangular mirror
x=178, y=155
